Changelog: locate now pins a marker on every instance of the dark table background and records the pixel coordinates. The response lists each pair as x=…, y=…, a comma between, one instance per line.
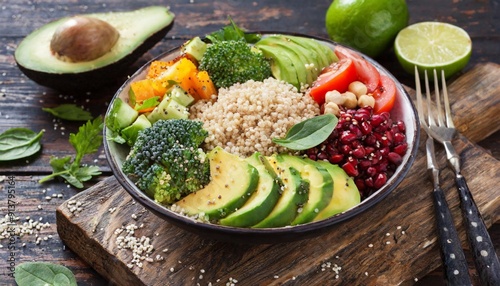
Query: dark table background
x=21, y=99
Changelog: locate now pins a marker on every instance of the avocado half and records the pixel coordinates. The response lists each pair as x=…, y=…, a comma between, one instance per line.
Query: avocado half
x=139, y=31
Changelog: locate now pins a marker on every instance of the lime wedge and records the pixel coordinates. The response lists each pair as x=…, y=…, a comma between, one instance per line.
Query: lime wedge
x=433, y=45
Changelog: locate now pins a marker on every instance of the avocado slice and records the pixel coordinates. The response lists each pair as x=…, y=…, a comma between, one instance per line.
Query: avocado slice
x=282, y=66
x=326, y=54
x=262, y=201
x=294, y=193
x=139, y=31
x=320, y=188
x=304, y=58
x=233, y=181
x=345, y=192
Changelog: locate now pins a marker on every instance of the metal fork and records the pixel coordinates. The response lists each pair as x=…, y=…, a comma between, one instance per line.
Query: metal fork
x=441, y=128
x=455, y=265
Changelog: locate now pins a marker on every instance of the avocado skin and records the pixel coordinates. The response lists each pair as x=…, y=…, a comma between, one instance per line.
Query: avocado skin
x=114, y=73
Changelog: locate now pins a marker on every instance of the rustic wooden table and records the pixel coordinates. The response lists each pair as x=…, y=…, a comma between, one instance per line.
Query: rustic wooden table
x=21, y=100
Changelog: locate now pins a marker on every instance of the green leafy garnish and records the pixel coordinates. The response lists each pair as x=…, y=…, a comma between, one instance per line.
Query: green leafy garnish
x=148, y=103
x=308, y=133
x=232, y=32
x=17, y=143
x=86, y=141
x=43, y=273
x=69, y=112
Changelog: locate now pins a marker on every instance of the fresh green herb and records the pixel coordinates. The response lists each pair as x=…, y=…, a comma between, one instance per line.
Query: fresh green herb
x=308, y=133
x=17, y=143
x=232, y=32
x=69, y=112
x=43, y=273
x=86, y=141
x=148, y=103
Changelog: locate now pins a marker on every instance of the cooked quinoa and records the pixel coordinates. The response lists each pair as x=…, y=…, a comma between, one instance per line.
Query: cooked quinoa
x=245, y=117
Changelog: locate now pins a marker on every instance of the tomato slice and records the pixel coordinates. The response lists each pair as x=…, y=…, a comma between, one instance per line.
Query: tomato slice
x=384, y=95
x=336, y=76
x=367, y=73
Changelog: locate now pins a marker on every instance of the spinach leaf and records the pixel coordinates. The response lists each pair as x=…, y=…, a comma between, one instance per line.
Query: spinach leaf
x=86, y=141
x=17, y=143
x=43, y=273
x=308, y=133
x=69, y=112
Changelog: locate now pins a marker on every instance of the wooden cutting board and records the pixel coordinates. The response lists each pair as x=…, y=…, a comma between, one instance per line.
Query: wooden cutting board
x=392, y=243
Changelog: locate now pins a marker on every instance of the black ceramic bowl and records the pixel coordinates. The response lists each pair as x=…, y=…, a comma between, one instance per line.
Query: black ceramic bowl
x=403, y=110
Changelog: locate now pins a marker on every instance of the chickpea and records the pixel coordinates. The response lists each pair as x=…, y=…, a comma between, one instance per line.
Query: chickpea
x=366, y=100
x=351, y=101
x=358, y=88
x=331, y=108
x=335, y=97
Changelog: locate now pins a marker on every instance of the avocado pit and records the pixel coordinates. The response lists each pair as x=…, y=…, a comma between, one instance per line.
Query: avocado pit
x=81, y=39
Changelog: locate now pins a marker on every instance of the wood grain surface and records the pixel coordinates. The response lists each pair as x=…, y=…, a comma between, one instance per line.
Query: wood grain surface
x=392, y=243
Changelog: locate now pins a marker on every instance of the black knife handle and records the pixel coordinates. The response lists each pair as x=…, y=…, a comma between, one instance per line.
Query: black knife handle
x=483, y=250
x=455, y=265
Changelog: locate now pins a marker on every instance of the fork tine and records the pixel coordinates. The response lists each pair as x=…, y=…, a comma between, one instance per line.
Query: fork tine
x=449, y=119
x=440, y=117
x=430, y=117
x=418, y=93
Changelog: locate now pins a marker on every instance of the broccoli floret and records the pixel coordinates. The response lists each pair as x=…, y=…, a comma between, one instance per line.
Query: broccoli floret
x=230, y=62
x=166, y=162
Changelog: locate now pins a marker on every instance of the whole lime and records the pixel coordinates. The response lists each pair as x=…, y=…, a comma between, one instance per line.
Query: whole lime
x=369, y=26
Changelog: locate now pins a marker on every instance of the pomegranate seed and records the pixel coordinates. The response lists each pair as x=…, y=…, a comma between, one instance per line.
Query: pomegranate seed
x=355, y=144
x=377, y=120
x=335, y=159
x=380, y=180
x=371, y=171
x=346, y=137
x=369, y=150
x=345, y=149
x=322, y=156
x=369, y=182
x=350, y=169
x=360, y=183
x=371, y=140
x=384, y=151
x=362, y=115
x=401, y=126
x=330, y=149
x=401, y=149
x=365, y=127
x=382, y=166
x=399, y=138
x=364, y=164
x=352, y=160
x=356, y=131
x=359, y=152
x=386, y=115
x=394, y=158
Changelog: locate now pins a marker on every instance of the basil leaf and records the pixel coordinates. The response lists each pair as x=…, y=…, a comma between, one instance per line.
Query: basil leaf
x=69, y=112
x=43, y=273
x=17, y=143
x=308, y=133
